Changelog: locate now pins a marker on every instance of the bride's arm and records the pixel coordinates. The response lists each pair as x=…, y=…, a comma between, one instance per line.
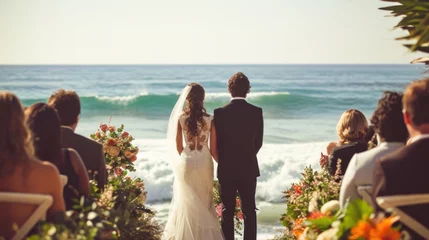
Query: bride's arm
x=213, y=142
x=179, y=139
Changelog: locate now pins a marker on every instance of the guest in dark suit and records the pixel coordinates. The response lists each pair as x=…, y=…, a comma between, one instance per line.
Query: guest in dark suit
x=406, y=171
x=239, y=128
x=351, y=130
x=67, y=104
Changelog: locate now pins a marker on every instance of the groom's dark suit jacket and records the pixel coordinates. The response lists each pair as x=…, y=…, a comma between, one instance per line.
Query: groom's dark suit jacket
x=239, y=130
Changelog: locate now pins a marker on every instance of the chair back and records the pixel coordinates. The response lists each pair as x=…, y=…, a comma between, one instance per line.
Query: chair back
x=365, y=191
x=394, y=202
x=63, y=179
x=42, y=201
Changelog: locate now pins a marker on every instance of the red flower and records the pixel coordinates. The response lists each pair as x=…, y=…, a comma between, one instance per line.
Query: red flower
x=103, y=127
x=111, y=128
x=111, y=142
x=298, y=189
x=118, y=172
x=133, y=158
x=240, y=215
x=125, y=134
x=315, y=215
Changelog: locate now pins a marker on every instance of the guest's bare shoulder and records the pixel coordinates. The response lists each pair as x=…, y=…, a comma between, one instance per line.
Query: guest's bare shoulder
x=44, y=169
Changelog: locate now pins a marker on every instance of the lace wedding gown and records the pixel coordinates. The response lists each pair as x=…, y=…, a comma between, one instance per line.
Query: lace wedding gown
x=192, y=215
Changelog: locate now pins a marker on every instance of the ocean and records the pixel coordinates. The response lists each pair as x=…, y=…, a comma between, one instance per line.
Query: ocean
x=301, y=106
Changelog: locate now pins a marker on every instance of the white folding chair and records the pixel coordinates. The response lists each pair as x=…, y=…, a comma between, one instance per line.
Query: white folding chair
x=42, y=200
x=63, y=179
x=365, y=191
x=393, y=202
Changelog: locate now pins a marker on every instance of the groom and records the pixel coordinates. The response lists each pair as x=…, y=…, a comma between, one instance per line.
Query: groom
x=239, y=129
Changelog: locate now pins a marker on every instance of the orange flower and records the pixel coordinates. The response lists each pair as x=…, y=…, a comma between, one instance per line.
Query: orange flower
x=133, y=158
x=98, y=134
x=298, y=229
x=298, y=189
x=240, y=215
x=361, y=230
x=128, y=154
x=103, y=127
x=383, y=230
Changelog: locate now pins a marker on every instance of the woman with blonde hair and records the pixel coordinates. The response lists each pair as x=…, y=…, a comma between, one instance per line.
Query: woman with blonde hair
x=20, y=171
x=351, y=131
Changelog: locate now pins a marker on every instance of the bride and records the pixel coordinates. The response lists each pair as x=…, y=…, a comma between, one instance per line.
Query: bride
x=192, y=214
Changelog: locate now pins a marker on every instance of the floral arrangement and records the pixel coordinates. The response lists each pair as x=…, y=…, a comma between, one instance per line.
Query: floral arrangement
x=356, y=221
x=118, y=212
x=305, y=199
x=120, y=154
x=219, y=206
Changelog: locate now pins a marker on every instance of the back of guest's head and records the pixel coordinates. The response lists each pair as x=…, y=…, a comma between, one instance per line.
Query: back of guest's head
x=44, y=123
x=239, y=85
x=352, y=126
x=67, y=104
x=16, y=146
x=416, y=102
x=387, y=119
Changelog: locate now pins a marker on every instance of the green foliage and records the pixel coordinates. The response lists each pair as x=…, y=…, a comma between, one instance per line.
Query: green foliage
x=415, y=20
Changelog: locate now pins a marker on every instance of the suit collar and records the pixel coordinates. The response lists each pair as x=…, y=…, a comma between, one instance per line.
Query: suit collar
x=67, y=129
x=238, y=98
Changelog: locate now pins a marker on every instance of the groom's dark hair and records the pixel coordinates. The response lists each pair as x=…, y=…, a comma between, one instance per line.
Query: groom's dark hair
x=239, y=85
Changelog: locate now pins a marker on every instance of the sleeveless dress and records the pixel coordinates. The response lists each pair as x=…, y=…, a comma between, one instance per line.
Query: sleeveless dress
x=192, y=214
x=71, y=193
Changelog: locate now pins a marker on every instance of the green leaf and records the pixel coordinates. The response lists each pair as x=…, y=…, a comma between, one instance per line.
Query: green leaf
x=323, y=223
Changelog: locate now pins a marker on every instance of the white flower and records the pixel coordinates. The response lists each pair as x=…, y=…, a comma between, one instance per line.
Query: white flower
x=330, y=207
x=312, y=205
x=329, y=234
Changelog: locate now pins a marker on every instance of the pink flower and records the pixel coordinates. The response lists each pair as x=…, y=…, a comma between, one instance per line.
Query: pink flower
x=125, y=134
x=237, y=202
x=111, y=128
x=103, y=127
x=98, y=134
x=118, y=172
x=219, y=209
x=133, y=158
x=240, y=215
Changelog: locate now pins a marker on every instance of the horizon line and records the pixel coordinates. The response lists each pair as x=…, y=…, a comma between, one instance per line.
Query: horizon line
x=196, y=64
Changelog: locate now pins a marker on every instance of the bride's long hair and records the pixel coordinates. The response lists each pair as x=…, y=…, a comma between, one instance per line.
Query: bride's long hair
x=195, y=109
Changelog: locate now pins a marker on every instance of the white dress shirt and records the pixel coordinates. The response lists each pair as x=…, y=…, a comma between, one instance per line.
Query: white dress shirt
x=419, y=137
x=238, y=98
x=360, y=171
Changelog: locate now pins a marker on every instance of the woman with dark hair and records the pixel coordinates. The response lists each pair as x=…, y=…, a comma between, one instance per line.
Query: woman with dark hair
x=20, y=171
x=192, y=214
x=44, y=122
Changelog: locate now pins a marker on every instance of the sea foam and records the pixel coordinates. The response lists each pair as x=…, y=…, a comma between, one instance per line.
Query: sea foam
x=280, y=166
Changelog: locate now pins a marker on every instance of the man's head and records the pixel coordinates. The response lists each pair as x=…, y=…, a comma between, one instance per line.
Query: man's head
x=416, y=107
x=387, y=118
x=67, y=104
x=239, y=85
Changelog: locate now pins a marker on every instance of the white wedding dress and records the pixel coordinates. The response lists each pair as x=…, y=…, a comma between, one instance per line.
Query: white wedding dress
x=192, y=214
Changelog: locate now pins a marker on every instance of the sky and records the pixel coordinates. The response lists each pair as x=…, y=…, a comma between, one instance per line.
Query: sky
x=198, y=32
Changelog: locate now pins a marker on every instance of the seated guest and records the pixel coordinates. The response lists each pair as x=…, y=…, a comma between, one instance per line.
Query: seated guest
x=406, y=170
x=44, y=122
x=20, y=171
x=351, y=130
x=67, y=104
x=388, y=124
